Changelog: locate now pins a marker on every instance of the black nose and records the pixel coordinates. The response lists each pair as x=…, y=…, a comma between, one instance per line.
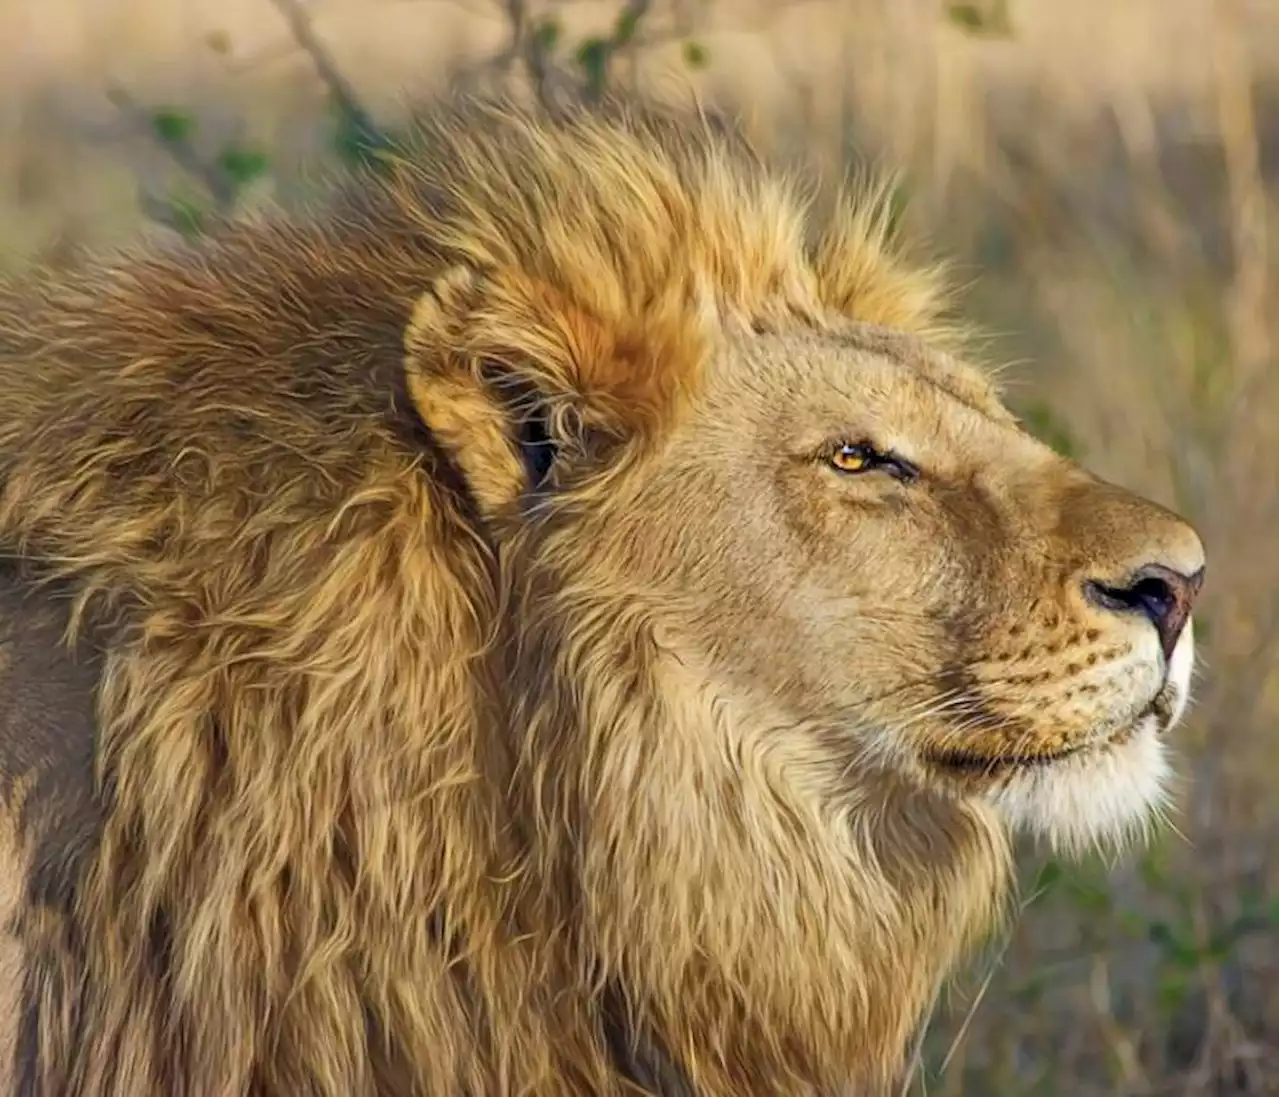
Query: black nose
x=1162, y=595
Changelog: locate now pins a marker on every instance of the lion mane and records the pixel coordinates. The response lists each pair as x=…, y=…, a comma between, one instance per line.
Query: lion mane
x=382, y=795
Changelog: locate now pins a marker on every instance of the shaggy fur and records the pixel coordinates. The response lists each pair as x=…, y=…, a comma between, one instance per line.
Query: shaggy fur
x=396, y=788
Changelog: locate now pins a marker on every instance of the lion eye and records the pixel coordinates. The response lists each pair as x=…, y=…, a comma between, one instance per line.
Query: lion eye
x=855, y=457
x=849, y=457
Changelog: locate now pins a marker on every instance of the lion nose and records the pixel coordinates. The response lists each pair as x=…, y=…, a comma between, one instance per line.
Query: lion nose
x=1161, y=594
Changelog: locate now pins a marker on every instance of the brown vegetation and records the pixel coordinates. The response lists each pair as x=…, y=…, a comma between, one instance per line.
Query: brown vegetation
x=1107, y=175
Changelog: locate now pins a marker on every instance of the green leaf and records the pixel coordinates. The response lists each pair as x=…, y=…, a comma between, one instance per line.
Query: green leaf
x=1223, y=942
x=356, y=141
x=1131, y=924
x=973, y=20
x=899, y=200
x=187, y=216
x=593, y=55
x=627, y=25
x=966, y=16
x=1044, y=423
x=219, y=41
x=1048, y=876
x=1183, y=953
x=1031, y=990
x=172, y=126
x=1088, y=895
x=546, y=35
x=1160, y=934
x=1151, y=867
x=242, y=165
x=695, y=55
x=1172, y=991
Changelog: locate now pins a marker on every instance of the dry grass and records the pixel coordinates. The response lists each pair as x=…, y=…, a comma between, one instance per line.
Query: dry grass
x=1107, y=177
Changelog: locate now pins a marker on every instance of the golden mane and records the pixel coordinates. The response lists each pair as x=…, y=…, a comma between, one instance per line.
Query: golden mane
x=358, y=802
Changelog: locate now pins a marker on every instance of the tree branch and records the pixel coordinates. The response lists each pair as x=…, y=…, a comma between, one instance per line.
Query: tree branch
x=303, y=31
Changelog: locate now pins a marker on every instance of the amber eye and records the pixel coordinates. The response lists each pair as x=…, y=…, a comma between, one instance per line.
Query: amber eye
x=854, y=457
x=849, y=457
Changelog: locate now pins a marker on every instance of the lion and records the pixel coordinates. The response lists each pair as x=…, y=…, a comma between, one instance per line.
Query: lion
x=564, y=615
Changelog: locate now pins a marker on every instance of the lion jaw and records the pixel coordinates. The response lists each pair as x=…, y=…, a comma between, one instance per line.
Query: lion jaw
x=1107, y=794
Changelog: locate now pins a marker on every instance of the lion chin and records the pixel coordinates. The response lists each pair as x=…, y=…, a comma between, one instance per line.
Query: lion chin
x=1109, y=792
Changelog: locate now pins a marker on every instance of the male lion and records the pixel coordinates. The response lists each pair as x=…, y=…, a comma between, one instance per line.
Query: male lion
x=553, y=621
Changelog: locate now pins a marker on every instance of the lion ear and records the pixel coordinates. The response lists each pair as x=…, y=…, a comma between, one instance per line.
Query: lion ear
x=452, y=396
x=512, y=375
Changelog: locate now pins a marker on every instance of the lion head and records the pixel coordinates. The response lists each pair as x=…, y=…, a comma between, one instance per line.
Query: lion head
x=577, y=624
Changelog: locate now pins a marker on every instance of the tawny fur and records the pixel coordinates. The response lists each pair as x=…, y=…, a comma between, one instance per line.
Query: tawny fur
x=396, y=801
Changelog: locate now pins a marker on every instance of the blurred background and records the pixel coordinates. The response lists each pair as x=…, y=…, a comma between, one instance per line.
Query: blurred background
x=1104, y=173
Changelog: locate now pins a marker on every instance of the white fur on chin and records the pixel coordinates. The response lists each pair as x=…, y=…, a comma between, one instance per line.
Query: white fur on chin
x=1108, y=796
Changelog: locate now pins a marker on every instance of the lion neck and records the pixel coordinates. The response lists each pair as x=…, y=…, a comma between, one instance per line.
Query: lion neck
x=765, y=937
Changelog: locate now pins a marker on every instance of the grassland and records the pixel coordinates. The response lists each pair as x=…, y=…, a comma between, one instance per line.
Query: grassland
x=1104, y=173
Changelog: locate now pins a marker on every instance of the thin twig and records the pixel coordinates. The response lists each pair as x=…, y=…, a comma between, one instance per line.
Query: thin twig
x=180, y=150
x=303, y=30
